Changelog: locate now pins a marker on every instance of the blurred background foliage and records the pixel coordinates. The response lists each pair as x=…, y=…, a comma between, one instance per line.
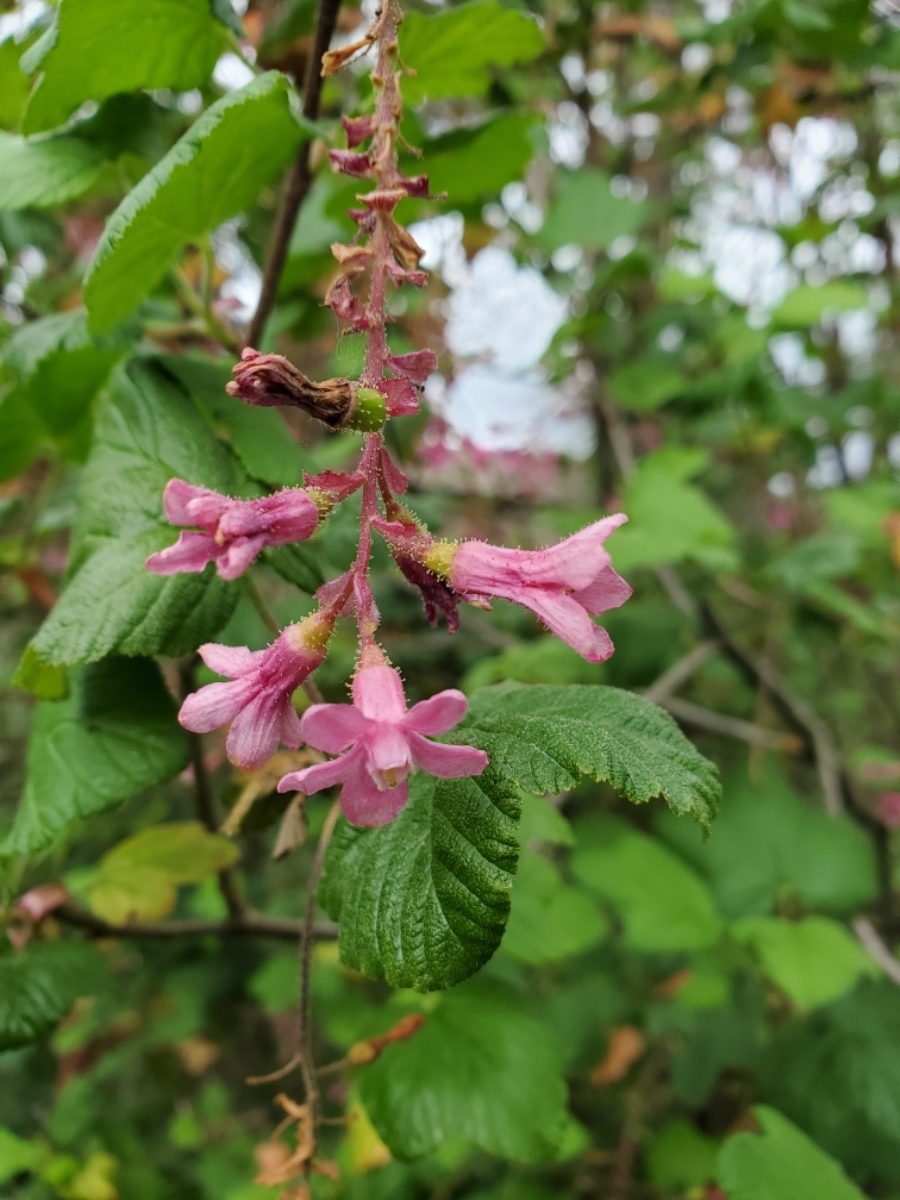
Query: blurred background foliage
x=664, y=281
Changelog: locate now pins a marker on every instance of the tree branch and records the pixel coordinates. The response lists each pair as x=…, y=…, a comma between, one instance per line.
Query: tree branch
x=298, y=181
x=249, y=924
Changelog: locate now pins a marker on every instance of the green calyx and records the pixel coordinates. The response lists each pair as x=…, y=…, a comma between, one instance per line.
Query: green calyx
x=369, y=411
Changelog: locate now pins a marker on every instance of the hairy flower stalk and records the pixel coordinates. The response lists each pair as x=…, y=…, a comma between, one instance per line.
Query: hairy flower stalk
x=378, y=740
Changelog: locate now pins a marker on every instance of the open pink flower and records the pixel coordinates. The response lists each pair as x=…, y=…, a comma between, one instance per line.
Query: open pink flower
x=258, y=701
x=563, y=585
x=233, y=531
x=382, y=742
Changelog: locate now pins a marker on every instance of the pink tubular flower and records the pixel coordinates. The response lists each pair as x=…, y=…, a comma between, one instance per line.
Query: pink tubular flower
x=562, y=585
x=382, y=742
x=258, y=701
x=233, y=531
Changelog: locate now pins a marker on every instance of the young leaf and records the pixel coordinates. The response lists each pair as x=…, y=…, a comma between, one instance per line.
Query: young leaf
x=39, y=985
x=480, y=1071
x=454, y=50
x=423, y=901
x=217, y=169
x=138, y=879
x=545, y=738
x=550, y=920
x=813, y=961
x=663, y=904
x=149, y=432
x=115, y=736
x=780, y=1163
x=97, y=48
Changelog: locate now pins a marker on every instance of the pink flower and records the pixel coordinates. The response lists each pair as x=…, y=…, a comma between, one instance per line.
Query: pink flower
x=382, y=742
x=889, y=809
x=258, y=701
x=563, y=585
x=233, y=531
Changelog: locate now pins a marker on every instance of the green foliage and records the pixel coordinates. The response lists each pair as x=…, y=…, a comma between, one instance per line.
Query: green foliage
x=681, y=1157
x=240, y=144
x=40, y=984
x=471, y=163
x=550, y=920
x=480, y=1071
x=780, y=1164
x=97, y=48
x=585, y=212
x=149, y=433
x=45, y=172
x=662, y=903
x=455, y=50
x=138, y=879
x=115, y=736
x=448, y=860
x=545, y=738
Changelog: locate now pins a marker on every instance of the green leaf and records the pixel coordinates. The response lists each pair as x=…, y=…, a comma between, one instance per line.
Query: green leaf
x=17, y=1155
x=454, y=51
x=770, y=847
x=217, y=169
x=544, y=739
x=670, y=520
x=138, y=879
x=13, y=85
x=115, y=736
x=480, y=1071
x=423, y=902
x=550, y=920
x=681, y=1157
x=97, y=48
x=808, y=305
x=39, y=985
x=149, y=433
x=663, y=904
x=45, y=682
x=813, y=960
x=780, y=1163
x=469, y=164
x=820, y=557
x=645, y=386
x=46, y=172
x=585, y=212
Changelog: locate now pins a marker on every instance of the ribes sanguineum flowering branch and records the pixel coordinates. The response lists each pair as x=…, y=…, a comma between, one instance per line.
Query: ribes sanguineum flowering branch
x=378, y=739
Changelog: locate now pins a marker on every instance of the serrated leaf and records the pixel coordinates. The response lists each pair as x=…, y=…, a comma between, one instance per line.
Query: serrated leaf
x=240, y=144
x=481, y=1071
x=97, y=48
x=148, y=433
x=43, y=681
x=46, y=172
x=550, y=920
x=663, y=904
x=454, y=51
x=115, y=736
x=39, y=985
x=780, y=1163
x=585, y=212
x=469, y=164
x=138, y=879
x=544, y=739
x=813, y=960
x=770, y=846
x=423, y=902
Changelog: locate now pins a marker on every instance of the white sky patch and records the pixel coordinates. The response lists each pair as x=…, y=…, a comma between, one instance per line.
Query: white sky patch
x=857, y=452
x=21, y=19
x=789, y=356
x=231, y=72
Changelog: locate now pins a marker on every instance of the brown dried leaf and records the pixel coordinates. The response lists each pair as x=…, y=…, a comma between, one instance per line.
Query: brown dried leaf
x=626, y=1045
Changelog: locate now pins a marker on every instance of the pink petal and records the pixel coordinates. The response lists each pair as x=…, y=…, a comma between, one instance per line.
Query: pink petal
x=608, y=590
x=332, y=727
x=378, y=694
x=437, y=714
x=446, y=762
x=387, y=752
x=291, y=733
x=564, y=616
x=358, y=129
x=213, y=705
x=190, y=553
x=239, y=555
x=178, y=495
x=417, y=365
x=253, y=737
x=365, y=804
x=402, y=398
x=232, y=661
x=349, y=163
x=322, y=775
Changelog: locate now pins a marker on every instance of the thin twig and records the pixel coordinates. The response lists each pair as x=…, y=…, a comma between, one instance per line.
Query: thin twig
x=249, y=924
x=205, y=802
x=681, y=671
x=872, y=941
x=735, y=727
x=300, y=178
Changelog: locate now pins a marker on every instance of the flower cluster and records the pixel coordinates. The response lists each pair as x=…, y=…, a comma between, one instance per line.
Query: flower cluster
x=377, y=740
